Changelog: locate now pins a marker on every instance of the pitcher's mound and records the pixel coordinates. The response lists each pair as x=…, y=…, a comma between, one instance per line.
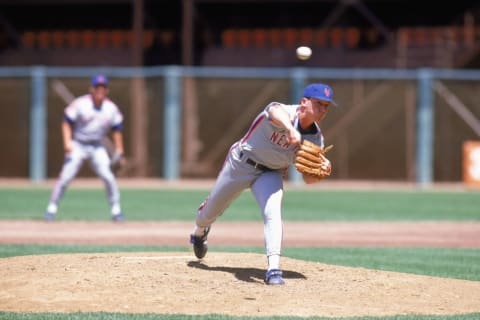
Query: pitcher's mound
x=222, y=283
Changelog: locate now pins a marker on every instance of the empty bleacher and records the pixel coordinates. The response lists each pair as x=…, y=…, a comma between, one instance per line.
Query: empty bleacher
x=408, y=47
x=291, y=37
x=86, y=39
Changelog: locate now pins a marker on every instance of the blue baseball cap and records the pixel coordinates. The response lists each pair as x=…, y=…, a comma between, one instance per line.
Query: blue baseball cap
x=319, y=91
x=99, y=80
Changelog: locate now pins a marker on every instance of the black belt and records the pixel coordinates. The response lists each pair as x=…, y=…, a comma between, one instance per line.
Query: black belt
x=90, y=142
x=256, y=165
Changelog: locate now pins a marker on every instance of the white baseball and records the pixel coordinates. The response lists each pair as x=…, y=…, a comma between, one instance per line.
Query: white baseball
x=304, y=53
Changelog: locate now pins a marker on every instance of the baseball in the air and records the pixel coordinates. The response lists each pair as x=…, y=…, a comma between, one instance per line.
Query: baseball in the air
x=304, y=53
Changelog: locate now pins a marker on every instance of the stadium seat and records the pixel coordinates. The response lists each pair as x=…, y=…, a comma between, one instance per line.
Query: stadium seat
x=420, y=37
x=259, y=38
x=117, y=38
x=243, y=38
x=320, y=38
x=352, y=37
x=87, y=39
x=43, y=39
x=306, y=36
x=58, y=38
x=102, y=39
x=72, y=39
x=336, y=37
x=274, y=37
x=290, y=38
x=228, y=39
x=28, y=39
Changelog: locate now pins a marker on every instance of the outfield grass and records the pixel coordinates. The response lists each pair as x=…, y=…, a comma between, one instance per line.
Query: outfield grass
x=299, y=205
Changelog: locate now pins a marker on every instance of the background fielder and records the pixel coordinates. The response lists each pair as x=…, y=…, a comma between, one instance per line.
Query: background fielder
x=258, y=161
x=87, y=120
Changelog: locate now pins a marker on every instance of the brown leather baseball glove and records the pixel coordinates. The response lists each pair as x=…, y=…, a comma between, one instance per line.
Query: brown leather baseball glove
x=311, y=160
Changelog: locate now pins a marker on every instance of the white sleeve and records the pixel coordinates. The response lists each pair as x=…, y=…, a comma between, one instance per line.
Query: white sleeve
x=117, y=118
x=71, y=111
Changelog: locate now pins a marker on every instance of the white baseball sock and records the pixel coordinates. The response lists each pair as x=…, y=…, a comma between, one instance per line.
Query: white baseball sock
x=274, y=261
x=116, y=209
x=198, y=231
x=52, y=208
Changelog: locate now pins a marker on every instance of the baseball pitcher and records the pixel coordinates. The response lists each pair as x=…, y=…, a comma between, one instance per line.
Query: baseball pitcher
x=87, y=120
x=279, y=136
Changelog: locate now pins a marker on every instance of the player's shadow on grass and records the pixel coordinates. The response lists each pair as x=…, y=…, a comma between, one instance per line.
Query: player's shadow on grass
x=245, y=274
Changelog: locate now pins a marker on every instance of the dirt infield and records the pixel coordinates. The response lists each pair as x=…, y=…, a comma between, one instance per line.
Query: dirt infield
x=228, y=283
x=396, y=234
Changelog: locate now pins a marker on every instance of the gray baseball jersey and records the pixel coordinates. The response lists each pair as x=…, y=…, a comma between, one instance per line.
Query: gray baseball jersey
x=267, y=144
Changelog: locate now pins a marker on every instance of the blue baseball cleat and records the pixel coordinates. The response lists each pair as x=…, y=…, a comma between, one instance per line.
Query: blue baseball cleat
x=274, y=277
x=49, y=217
x=118, y=217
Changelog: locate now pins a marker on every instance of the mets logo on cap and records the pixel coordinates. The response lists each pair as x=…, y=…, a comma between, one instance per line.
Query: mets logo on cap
x=327, y=92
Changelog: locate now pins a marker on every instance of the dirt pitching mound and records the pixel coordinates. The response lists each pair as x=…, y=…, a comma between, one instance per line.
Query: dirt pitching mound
x=222, y=283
